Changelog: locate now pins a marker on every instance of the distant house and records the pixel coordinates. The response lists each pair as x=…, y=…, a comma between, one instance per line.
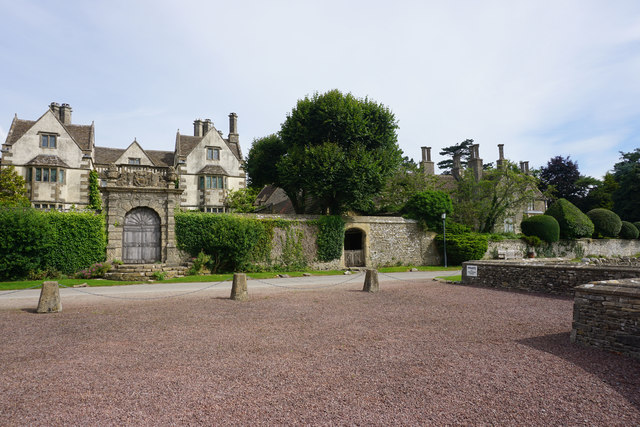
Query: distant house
x=140, y=188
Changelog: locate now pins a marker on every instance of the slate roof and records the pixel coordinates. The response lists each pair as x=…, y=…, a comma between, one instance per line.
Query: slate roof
x=47, y=160
x=161, y=158
x=213, y=170
x=187, y=143
x=17, y=129
x=105, y=155
x=82, y=134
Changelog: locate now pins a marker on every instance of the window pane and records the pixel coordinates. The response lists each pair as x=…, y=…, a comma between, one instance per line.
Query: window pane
x=216, y=154
x=45, y=174
x=209, y=153
x=220, y=182
x=45, y=140
x=61, y=175
x=54, y=176
x=38, y=174
x=52, y=141
x=29, y=174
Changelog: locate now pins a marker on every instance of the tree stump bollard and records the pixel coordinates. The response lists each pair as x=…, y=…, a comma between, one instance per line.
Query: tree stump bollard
x=49, y=298
x=371, y=281
x=239, y=287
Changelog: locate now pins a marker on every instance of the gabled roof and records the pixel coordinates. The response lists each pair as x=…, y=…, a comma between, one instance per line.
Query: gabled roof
x=213, y=170
x=161, y=158
x=81, y=134
x=105, y=155
x=185, y=144
x=235, y=149
x=47, y=160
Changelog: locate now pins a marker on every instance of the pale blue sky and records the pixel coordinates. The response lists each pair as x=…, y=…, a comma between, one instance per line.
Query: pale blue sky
x=545, y=78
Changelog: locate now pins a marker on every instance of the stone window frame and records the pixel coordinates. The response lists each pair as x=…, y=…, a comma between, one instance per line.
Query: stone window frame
x=213, y=209
x=205, y=182
x=50, y=138
x=134, y=161
x=213, y=153
x=509, y=225
x=41, y=172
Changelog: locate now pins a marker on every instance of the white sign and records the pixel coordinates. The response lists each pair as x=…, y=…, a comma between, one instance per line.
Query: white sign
x=472, y=270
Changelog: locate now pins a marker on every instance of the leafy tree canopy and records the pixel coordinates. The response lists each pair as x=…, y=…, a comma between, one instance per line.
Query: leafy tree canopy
x=463, y=148
x=13, y=191
x=626, y=198
x=560, y=178
x=338, y=150
x=242, y=200
x=262, y=159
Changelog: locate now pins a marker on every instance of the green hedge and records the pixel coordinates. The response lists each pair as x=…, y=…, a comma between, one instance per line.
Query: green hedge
x=637, y=224
x=607, y=223
x=463, y=247
x=543, y=226
x=428, y=207
x=573, y=223
x=330, y=238
x=628, y=231
x=229, y=240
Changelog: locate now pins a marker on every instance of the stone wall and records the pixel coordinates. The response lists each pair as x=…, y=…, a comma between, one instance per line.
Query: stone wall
x=536, y=276
x=569, y=248
x=606, y=315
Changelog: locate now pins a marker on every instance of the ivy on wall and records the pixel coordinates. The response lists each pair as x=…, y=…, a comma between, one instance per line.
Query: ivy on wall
x=330, y=237
x=95, y=199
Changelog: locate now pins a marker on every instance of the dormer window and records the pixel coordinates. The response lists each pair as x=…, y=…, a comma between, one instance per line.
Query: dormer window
x=48, y=140
x=213, y=153
x=134, y=160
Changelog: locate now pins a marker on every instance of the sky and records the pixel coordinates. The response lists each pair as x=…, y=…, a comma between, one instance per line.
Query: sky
x=544, y=78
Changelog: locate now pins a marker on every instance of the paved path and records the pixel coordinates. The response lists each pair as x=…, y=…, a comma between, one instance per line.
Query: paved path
x=28, y=298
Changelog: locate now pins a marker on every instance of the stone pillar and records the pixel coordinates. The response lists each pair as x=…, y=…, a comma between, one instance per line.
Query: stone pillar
x=371, y=281
x=428, y=167
x=49, y=298
x=239, y=287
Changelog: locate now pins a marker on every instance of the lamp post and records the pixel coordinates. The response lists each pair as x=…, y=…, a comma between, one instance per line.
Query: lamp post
x=444, y=236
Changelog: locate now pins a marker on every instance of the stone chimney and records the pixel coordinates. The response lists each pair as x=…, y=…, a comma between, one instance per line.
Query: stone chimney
x=426, y=163
x=455, y=169
x=197, y=127
x=233, y=128
x=207, y=125
x=65, y=114
x=500, y=163
x=55, y=108
x=524, y=167
x=476, y=162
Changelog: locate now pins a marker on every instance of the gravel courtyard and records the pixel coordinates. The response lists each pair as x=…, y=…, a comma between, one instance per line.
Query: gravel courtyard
x=418, y=352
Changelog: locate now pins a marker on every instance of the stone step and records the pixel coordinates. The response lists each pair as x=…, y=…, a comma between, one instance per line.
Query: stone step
x=145, y=271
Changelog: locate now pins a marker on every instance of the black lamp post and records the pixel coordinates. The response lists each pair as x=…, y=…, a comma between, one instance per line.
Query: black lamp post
x=444, y=236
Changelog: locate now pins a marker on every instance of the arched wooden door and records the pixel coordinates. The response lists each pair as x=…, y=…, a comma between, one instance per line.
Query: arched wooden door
x=354, y=248
x=141, y=243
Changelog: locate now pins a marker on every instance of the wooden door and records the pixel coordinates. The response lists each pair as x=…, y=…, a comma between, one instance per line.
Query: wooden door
x=141, y=238
x=354, y=248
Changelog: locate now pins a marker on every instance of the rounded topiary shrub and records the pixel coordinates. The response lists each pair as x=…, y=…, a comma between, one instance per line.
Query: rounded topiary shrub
x=543, y=226
x=637, y=224
x=628, y=231
x=428, y=206
x=573, y=223
x=607, y=223
x=463, y=247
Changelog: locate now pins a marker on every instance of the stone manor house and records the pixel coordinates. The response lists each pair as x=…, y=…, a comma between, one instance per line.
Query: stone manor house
x=140, y=188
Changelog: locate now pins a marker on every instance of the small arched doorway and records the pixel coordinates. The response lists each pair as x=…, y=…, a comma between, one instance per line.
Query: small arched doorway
x=354, y=248
x=141, y=242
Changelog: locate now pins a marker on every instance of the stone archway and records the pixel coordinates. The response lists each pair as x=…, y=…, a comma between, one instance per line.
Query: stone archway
x=354, y=247
x=141, y=237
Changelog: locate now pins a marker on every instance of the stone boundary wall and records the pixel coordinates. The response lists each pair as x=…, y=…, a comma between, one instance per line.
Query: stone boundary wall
x=569, y=248
x=538, y=276
x=606, y=315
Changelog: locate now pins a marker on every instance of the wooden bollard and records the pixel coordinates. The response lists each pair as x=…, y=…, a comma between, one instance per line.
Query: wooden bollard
x=371, y=281
x=239, y=287
x=49, y=298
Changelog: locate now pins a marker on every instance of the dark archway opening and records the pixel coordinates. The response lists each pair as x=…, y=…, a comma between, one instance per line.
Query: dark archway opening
x=354, y=248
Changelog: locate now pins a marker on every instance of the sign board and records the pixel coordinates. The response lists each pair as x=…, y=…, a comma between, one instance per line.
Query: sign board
x=472, y=270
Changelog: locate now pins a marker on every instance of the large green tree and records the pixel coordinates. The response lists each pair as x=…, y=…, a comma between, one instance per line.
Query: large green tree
x=13, y=191
x=560, y=177
x=626, y=198
x=500, y=192
x=339, y=152
x=463, y=149
x=262, y=159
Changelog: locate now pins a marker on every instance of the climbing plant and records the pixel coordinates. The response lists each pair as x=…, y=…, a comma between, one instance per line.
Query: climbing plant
x=95, y=199
x=330, y=237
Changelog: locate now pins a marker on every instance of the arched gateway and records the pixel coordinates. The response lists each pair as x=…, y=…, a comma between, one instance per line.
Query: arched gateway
x=354, y=242
x=141, y=240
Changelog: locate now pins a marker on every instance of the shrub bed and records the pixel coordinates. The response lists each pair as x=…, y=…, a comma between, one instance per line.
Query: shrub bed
x=543, y=226
x=606, y=223
x=463, y=247
x=628, y=231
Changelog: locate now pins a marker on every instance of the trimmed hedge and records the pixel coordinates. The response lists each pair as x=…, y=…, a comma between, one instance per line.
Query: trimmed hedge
x=628, y=231
x=330, y=238
x=463, y=247
x=607, y=223
x=637, y=224
x=428, y=207
x=78, y=240
x=574, y=224
x=229, y=240
x=543, y=226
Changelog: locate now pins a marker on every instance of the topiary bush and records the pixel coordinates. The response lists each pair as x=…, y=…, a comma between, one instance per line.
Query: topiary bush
x=428, y=207
x=463, y=247
x=628, y=231
x=543, y=226
x=574, y=224
x=637, y=224
x=607, y=223
x=25, y=241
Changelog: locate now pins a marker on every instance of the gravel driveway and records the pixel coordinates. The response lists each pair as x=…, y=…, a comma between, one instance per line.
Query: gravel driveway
x=418, y=352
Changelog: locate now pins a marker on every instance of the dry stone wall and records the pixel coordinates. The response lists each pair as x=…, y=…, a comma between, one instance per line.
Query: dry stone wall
x=569, y=248
x=536, y=276
x=606, y=315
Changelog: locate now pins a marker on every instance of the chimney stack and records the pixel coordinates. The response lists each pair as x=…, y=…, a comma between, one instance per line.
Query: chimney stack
x=55, y=108
x=65, y=114
x=500, y=163
x=206, y=126
x=197, y=127
x=233, y=128
x=455, y=170
x=524, y=167
x=476, y=162
x=426, y=163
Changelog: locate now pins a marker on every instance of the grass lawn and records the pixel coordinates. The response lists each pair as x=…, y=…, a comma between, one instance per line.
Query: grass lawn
x=24, y=284
x=454, y=278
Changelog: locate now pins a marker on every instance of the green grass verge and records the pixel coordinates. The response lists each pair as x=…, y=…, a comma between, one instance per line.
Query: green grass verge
x=24, y=284
x=454, y=278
